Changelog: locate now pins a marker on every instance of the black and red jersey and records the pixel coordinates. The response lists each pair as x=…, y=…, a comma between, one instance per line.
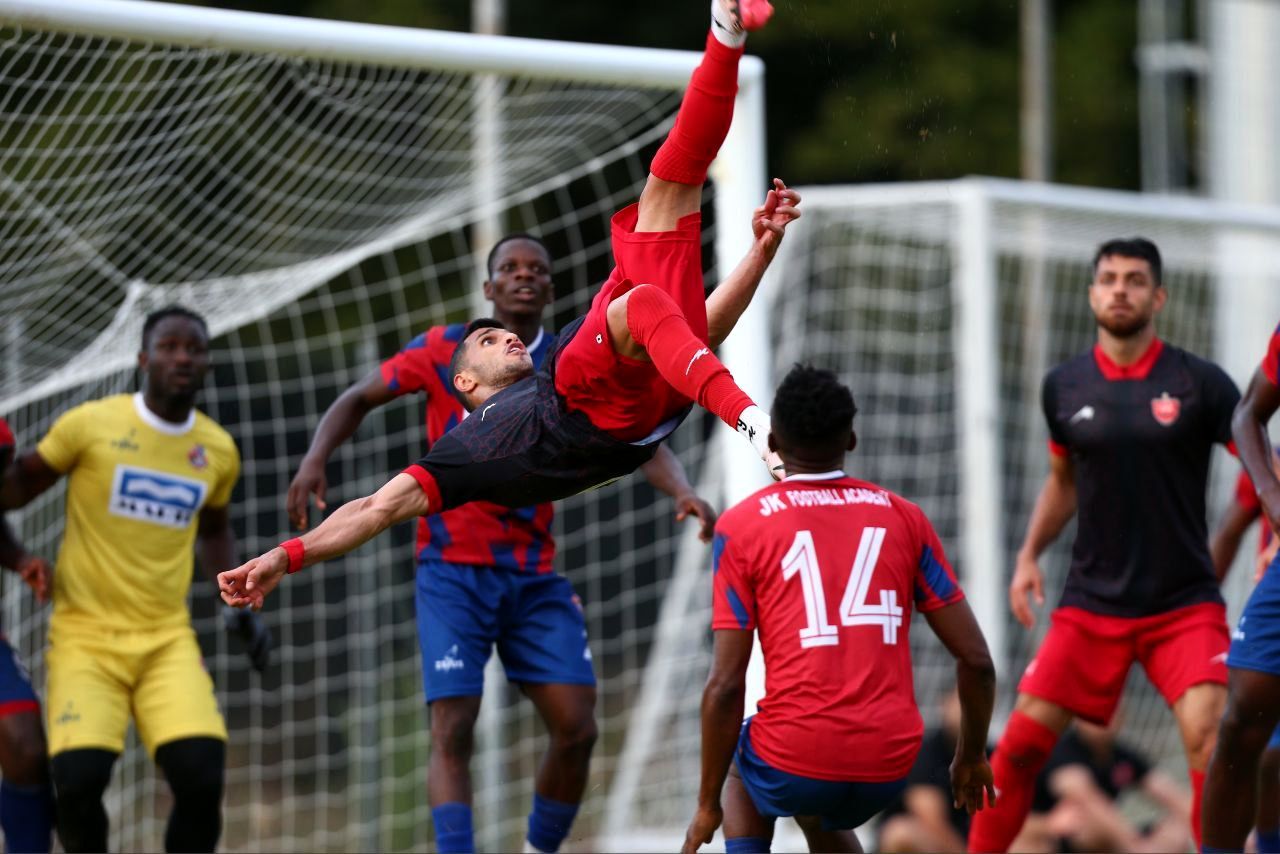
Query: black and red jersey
x=480, y=533
x=1139, y=437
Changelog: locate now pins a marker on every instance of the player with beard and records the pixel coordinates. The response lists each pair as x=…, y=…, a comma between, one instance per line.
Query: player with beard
x=148, y=478
x=1131, y=427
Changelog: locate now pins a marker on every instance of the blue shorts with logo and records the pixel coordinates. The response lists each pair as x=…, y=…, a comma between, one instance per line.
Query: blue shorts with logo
x=16, y=693
x=535, y=620
x=1255, y=644
x=840, y=805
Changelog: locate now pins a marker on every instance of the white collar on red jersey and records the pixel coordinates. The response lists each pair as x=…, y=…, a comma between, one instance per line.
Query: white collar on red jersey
x=155, y=421
x=826, y=475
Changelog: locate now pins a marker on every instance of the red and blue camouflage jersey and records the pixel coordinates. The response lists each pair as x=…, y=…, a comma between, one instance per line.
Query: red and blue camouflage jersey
x=476, y=534
x=1271, y=363
x=839, y=702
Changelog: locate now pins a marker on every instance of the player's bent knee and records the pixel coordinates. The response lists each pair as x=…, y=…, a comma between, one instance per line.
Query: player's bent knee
x=82, y=775
x=453, y=726
x=577, y=738
x=194, y=767
x=26, y=760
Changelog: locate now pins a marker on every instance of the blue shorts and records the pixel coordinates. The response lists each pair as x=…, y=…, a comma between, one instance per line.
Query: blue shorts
x=534, y=619
x=841, y=806
x=1274, y=743
x=16, y=693
x=1255, y=644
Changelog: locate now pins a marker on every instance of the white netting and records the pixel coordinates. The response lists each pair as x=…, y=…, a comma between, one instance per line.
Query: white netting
x=319, y=214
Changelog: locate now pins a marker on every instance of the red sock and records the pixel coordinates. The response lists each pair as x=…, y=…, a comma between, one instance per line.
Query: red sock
x=704, y=117
x=1197, y=797
x=1023, y=750
x=684, y=360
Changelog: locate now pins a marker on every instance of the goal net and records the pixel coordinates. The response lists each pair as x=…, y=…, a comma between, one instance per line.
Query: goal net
x=322, y=193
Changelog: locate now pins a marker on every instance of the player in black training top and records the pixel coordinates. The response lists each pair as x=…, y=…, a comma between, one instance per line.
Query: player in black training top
x=1131, y=426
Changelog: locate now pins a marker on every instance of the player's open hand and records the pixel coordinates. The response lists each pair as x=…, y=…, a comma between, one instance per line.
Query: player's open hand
x=970, y=780
x=309, y=481
x=769, y=221
x=702, y=828
x=36, y=573
x=691, y=505
x=1028, y=580
x=248, y=584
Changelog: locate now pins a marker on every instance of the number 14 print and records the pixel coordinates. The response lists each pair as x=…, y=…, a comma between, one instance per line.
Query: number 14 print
x=802, y=558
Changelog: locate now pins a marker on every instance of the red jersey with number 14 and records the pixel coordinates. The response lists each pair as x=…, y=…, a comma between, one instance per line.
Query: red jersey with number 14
x=827, y=569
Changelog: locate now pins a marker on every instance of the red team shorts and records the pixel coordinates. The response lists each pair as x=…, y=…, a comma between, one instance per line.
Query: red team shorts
x=625, y=397
x=1085, y=657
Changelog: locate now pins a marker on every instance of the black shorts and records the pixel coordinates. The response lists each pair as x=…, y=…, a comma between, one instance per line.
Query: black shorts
x=523, y=446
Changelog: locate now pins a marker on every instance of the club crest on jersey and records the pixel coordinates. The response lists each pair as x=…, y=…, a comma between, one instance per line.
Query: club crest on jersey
x=1166, y=409
x=197, y=457
x=156, y=497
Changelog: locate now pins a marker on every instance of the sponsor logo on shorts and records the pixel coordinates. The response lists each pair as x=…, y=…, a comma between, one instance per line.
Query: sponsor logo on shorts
x=156, y=497
x=450, y=661
x=1238, y=634
x=69, y=715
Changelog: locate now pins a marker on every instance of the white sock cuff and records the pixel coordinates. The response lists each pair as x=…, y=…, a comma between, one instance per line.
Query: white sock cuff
x=723, y=26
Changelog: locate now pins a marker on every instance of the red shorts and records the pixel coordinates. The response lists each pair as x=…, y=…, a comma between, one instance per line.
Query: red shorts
x=1085, y=657
x=625, y=397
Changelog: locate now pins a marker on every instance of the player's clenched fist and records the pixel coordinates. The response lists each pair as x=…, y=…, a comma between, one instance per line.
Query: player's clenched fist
x=249, y=583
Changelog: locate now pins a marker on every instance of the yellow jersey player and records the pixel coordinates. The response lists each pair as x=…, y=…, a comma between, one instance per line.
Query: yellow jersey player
x=148, y=476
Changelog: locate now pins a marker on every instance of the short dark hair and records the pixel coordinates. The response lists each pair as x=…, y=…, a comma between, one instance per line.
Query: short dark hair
x=456, y=362
x=1132, y=247
x=154, y=318
x=812, y=408
x=520, y=235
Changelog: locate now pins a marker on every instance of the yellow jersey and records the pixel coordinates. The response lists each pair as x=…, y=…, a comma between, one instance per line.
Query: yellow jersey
x=136, y=485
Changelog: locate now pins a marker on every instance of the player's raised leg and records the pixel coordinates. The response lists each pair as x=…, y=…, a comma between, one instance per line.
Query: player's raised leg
x=674, y=189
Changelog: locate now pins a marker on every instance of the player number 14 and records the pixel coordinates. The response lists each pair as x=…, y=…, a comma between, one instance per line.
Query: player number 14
x=802, y=559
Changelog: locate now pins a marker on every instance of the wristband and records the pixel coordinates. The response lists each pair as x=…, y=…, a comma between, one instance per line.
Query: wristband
x=296, y=552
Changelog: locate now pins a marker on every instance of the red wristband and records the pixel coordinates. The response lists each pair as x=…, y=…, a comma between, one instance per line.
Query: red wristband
x=296, y=552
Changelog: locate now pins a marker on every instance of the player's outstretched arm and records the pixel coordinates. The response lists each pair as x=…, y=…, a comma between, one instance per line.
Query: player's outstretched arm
x=732, y=296
x=351, y=525
x=1249, y=429
x=339, y=422
x=666, y=473
x=722, y=702
x=1054, y=508
x=958, y=630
